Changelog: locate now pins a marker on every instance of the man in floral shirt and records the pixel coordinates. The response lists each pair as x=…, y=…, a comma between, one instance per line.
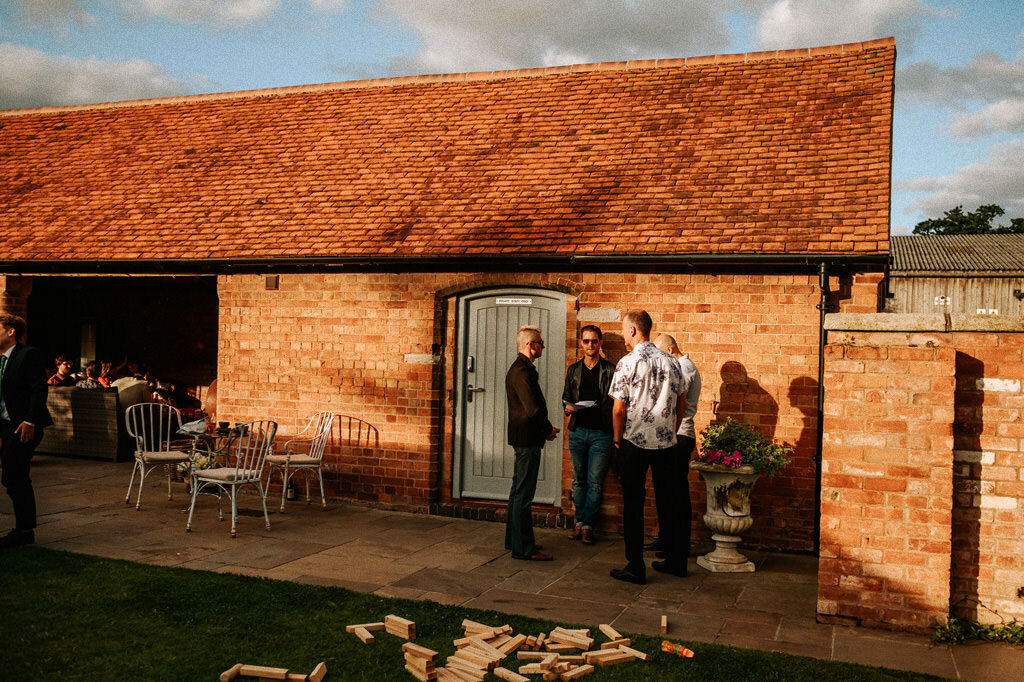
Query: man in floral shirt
x=645, y=417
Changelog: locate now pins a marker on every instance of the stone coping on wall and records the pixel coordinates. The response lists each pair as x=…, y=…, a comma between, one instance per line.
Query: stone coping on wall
x=922, y=322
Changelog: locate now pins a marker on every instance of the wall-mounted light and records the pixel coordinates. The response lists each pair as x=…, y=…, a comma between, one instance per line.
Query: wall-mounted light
x=1018, y=294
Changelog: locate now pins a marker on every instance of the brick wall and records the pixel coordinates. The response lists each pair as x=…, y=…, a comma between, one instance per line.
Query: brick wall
x=14, y=291
x=380, y=346
x=923, y=479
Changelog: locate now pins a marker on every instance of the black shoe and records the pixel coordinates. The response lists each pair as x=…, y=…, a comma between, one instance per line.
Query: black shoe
x=661, y=554
x=626, y=575
x=655, y=546
x=672, y=569
x=17, y=538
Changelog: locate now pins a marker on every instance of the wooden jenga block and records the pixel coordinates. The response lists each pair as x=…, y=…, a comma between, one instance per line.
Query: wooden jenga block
x=532, y=655
x=364, y=635
x=530, y=641
x=617, y=657
x=296, y=677
x=423, y=677
x=319, y=671
x=477, y=658
x=496, y=642
x=480, y=645
x=562, y=648
x=400, y=627
x=420, y=652
x=582, y=632
x=550, y=675
x=506, y=674
x=264, y=672
x=531, y=669
x=571, y=638
x=512, y=644
x=577, y=672
x=421, y=664
x=540, y=642
x=231, y=673
x=664, y=625
x=445, y=675
x=616, y=643
x=576, y=658
x=593, y=657
x=548, y=661
x=626, y=649
x=466, y=669
x=369, y=627
x=609, y=631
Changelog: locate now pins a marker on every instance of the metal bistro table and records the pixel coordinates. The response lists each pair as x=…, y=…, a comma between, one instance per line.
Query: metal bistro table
x=215, y=446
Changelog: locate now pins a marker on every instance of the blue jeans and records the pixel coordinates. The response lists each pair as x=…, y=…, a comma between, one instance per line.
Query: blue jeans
x=591, y=454
x=519, y=519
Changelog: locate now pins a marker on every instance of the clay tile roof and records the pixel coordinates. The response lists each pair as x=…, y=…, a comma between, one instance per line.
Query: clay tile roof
x=782, y=152
x=958, y=253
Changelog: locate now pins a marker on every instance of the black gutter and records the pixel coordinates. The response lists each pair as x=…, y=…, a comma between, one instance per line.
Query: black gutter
x=215, y=266
x=824, y=307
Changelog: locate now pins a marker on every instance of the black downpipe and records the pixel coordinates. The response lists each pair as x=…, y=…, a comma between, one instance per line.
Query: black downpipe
x=824, y=307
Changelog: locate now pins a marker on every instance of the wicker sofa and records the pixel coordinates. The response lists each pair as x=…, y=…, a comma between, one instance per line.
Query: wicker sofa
x=86, y=423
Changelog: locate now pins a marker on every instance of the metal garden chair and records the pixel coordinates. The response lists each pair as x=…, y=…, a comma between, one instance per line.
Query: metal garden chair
x=304, y=453
x=252, y=448
x=153, y=425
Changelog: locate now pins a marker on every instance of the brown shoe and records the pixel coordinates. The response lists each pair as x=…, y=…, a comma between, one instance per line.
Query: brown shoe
x=588, y=536
x=576, y=533
x=540, y=556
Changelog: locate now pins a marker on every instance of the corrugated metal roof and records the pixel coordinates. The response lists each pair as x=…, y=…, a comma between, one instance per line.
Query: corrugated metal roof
x=958, y=252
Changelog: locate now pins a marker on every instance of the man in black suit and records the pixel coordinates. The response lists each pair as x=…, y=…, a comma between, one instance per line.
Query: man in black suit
x=23, y=415
x=528, y=428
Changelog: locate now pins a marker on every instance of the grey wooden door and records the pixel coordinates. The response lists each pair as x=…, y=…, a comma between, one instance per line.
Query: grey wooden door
x=486, y=347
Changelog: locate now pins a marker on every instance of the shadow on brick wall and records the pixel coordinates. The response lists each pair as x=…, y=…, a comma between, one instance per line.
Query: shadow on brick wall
x=744, y=400
x=968, y=425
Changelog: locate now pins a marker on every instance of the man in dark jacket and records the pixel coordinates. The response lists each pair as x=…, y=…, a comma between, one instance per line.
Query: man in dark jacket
x=23, y=415
x=528, y=428
x=590, y=429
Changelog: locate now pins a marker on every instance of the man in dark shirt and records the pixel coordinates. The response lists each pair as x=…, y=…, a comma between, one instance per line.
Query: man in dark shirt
x=528, y=428
x=590, y=430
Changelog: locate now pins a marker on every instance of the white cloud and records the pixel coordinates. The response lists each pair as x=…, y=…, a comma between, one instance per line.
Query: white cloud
x=335, y=6
x=807, y=23
x=987, y=78
x=1004, y=116
x=458, y=36
x=33, y=78
x=218, y=12
x=997, y=180
x=57, y=16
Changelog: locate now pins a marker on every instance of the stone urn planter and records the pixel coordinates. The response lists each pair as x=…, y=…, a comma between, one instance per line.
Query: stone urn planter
x=728, y=514
x=732, y=457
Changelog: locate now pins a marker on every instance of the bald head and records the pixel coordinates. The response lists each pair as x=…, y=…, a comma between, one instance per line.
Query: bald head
x=527, y=333
x=667, y=344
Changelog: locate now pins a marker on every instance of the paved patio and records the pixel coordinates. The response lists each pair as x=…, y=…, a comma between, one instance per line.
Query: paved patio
x=461, y=562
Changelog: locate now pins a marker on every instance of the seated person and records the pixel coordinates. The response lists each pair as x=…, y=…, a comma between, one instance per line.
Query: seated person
x=92, y=376
x=63, y=376
x=131, y=390
x=106, y=378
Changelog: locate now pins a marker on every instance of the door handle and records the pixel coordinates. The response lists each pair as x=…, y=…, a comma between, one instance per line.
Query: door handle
x=470, y=391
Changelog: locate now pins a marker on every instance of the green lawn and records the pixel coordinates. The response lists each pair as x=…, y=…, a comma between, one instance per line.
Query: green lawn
x=75, y=617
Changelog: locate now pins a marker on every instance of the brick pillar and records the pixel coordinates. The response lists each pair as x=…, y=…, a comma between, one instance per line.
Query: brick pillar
x=14, y=291
x=887, y=477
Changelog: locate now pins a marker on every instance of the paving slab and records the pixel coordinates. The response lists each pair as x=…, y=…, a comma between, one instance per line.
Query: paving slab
x=681, y=627
x=539, y=606
x=988, y=661
x=889, y=652
x=454, y=583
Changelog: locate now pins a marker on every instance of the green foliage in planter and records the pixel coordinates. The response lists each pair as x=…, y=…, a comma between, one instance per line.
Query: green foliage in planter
x=956, y=631
x=733, y=444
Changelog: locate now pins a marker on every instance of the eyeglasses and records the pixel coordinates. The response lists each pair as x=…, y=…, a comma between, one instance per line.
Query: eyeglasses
x=537, y=343
x=590, y=341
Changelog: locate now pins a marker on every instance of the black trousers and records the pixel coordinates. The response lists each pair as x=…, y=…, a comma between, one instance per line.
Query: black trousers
x=633, y=463
x=674, y=488
x=16, y=459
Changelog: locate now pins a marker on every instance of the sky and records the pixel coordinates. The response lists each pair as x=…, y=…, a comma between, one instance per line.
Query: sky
x=958, y=137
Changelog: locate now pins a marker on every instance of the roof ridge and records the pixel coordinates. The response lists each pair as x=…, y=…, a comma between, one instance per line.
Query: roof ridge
x=631, y=65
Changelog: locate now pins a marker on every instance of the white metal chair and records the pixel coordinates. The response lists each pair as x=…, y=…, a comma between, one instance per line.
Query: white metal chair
x=251, y=452
x=304, y=453
x=153, y=426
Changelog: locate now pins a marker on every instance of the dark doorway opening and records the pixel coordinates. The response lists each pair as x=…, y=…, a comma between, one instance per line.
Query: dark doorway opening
x=169, y=324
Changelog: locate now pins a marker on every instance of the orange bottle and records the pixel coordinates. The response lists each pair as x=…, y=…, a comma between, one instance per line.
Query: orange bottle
x=677, y=649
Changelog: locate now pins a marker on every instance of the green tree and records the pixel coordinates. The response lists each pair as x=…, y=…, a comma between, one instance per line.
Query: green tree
x=974, y=222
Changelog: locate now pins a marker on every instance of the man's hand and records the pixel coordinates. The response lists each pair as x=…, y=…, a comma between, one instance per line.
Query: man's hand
x=553, y=434
x=569, y=409
x=25, y=432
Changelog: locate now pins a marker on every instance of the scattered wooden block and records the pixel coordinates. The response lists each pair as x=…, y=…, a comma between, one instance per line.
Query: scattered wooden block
x=530, y=641
x=573, y=638
x=467, y=670
x=577, y=672
x=540, y=642
x=559, y=648
x=616, y=643
x=445, y=675
x=616, y=657
x=421, y=664
x=478, y=659
x=531, y=669
x=531, y=655
x=369, y=627
x=664, y=625
x=487, y=649
x=296, y=677
x=400, y=627
x=548, y=661
x=364, y=635
x=423, y=677
x=318, y=672
x=264, y=672
x=496, y=642
x=609, y=631
x=506, y=674
x=593, y=657
x=231, y=673
x=512, y=644
x=625, y=648
x=570, y=659
x=420, y=652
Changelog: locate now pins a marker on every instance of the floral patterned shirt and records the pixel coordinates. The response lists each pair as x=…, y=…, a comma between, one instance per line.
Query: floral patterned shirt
x=649, y=382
